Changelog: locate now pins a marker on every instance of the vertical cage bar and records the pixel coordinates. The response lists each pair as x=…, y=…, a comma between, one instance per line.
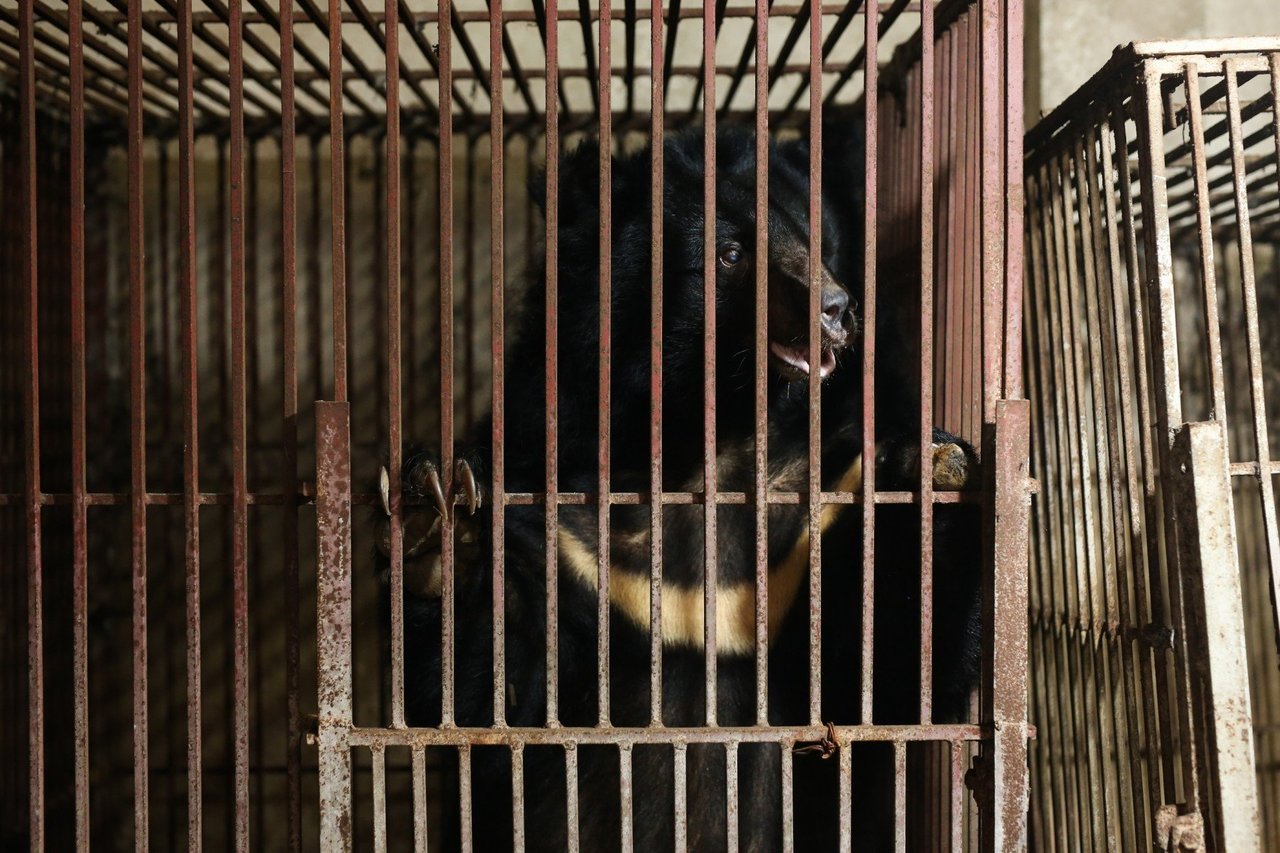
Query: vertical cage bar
x=1012, y=233
x=710, y=484
x=333, y=621
x=1204, y=228
x=815, y=361
x=445, y=161
x=191, y=420
x=552, y=323
x=464, y=796
x=625, y=798
x=900, y=794
x=31, y=404
x=239, y=436
x=517, y=797
x=289, y=424
x=1249, y=287
x=762, y=361
x=1116, y=330
x=137, y=430
x=927, y=142
x=337, y=186
x=379, y=771
x=992, y=201
x=497, y=275
x=603, y=83
x=731, y=795
x=958, y=796
x=871, y=127
x=845, y=757
x=680, y=787
x=571, y=795
x=788, y=798
x=391, y=36
x=79, y=513
x=1211, y=572
x=419, y=777
x=1006, y=686
x=656, y=124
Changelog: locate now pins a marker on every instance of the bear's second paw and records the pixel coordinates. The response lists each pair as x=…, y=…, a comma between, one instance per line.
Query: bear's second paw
x=424, y=514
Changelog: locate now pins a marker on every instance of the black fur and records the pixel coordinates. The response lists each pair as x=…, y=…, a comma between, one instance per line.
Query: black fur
x=897, y=573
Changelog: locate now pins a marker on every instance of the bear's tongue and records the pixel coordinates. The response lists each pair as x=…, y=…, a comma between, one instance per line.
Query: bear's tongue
x=798, y=357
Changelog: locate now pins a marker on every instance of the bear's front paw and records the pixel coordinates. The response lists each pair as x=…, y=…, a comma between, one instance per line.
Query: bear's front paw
x=955, y=464
x=428, y=503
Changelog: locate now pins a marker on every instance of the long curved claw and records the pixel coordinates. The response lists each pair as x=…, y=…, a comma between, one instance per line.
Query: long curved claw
x=384, y=490
x=426, y=480
x=462, y=473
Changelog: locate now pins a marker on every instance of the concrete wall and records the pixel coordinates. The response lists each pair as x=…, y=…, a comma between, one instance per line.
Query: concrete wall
x=1067, y=40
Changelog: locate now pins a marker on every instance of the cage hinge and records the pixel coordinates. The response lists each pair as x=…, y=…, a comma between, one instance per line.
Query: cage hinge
x=1179, y=832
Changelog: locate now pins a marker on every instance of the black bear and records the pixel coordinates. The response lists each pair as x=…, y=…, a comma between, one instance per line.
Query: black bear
x=682, y=526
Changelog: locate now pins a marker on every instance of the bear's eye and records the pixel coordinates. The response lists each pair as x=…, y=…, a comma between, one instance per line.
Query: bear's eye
x=730, y=255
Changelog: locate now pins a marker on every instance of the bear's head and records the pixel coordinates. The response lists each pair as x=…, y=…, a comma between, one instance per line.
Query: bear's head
x=735, y=258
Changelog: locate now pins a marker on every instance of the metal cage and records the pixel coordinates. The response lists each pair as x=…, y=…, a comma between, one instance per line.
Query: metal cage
x=216, y=211
x=1152, y=333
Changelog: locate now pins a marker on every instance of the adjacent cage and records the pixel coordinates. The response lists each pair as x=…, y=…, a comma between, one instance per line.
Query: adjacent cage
x=1153, y=327
x=215, y=211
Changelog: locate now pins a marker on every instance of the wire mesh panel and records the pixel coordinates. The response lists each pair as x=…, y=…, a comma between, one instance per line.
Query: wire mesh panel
x=247, y=620
x=1151, y=318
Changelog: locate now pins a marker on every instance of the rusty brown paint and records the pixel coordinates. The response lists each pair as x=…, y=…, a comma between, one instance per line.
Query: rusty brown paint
x=333, y=621
x=191, y=458
x=709, y=472
x=871, y=68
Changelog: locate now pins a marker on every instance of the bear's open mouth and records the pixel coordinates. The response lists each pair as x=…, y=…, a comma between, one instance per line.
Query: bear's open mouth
x=794, y=359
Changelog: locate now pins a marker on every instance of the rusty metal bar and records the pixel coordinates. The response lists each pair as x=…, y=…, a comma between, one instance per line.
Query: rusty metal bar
x=394, y=383
x=239, y=438
x=626, y=817
x=1211, y=574
x=656, y=254
x=761, y=438
x=497, y=275
x=927, y=285
x=709, y=472
x=680, y=788
x=1006, y=699
x=464, y=796
x=845, y=757
x=552, y=332
x=289, y=423
x=603, y=438
x=333, y=622
x=379, y=771
x=79, y=517
x=871, y=118
x=517, y=797
x=1208, y=278
x=731, y=796
x=337, y=201
x=900, y=796
x=1012, y=50
x=445, y=161
x=571, y=780
x=137, y=432
x=788, y=796
x=814, y=14
x=419, y=779
x=31, y=434
x=191, y=423
x=992, y=202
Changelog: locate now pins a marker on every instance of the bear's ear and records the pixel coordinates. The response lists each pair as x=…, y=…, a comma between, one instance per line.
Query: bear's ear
x=578, y=180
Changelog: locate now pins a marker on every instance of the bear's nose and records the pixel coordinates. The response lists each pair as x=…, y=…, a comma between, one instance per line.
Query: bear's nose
x=837, y=315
